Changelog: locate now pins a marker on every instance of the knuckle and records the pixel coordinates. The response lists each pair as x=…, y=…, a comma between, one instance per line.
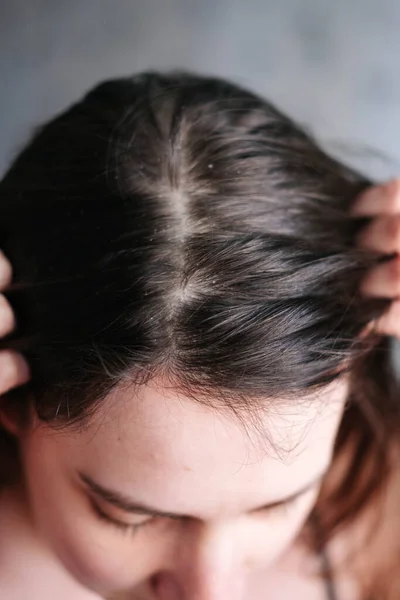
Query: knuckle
x=393, y=230
x=6, y=271
x=7, y=317
x=395, y=274
x=389, y=322
x=14, y=370
x=8, y=369
x=393, y=195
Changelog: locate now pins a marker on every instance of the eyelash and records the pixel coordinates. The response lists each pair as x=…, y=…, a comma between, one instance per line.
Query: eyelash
x=282, y=509
x=119, y=526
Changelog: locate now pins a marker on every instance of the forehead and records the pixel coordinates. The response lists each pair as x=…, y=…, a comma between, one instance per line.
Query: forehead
x=164, y=445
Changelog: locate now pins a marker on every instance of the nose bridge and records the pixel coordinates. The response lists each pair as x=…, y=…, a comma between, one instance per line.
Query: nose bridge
x=209, y=564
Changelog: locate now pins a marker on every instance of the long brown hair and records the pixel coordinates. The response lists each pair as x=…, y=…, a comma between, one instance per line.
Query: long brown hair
x=178, y=223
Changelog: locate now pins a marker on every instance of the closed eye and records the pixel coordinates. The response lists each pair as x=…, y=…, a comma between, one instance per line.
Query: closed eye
x=284, y=508
x=121, y=526
x=128, y=505
x=278, y=508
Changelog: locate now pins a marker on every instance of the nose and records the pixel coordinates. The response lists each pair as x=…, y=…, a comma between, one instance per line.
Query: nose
x=208, y=563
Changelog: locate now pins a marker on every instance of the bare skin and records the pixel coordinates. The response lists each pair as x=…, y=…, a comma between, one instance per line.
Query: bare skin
x=66, y=567
x=14, y=369
x=382, y=234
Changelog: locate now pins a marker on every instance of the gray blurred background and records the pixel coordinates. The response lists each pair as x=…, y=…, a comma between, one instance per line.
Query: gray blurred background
x=332, y=64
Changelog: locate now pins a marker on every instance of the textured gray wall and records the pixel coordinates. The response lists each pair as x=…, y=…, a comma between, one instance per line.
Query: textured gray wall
x=333, y=64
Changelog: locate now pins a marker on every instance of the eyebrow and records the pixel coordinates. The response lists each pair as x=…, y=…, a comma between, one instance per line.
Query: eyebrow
x=129, y=505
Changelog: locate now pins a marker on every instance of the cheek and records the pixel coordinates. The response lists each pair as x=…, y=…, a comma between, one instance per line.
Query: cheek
x=93, y=553
x=100, y=566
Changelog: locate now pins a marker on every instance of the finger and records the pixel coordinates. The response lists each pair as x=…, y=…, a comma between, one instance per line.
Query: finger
x=382, y=234
x=389, y=322
x=7, y=319
x=14, y=370
x=383, y=281
x=5, y=271
x=381, y=199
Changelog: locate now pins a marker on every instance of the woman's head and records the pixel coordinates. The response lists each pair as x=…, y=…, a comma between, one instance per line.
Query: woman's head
x=186, y=290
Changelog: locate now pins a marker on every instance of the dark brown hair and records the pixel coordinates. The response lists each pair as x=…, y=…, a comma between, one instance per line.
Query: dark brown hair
x=179, y=224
